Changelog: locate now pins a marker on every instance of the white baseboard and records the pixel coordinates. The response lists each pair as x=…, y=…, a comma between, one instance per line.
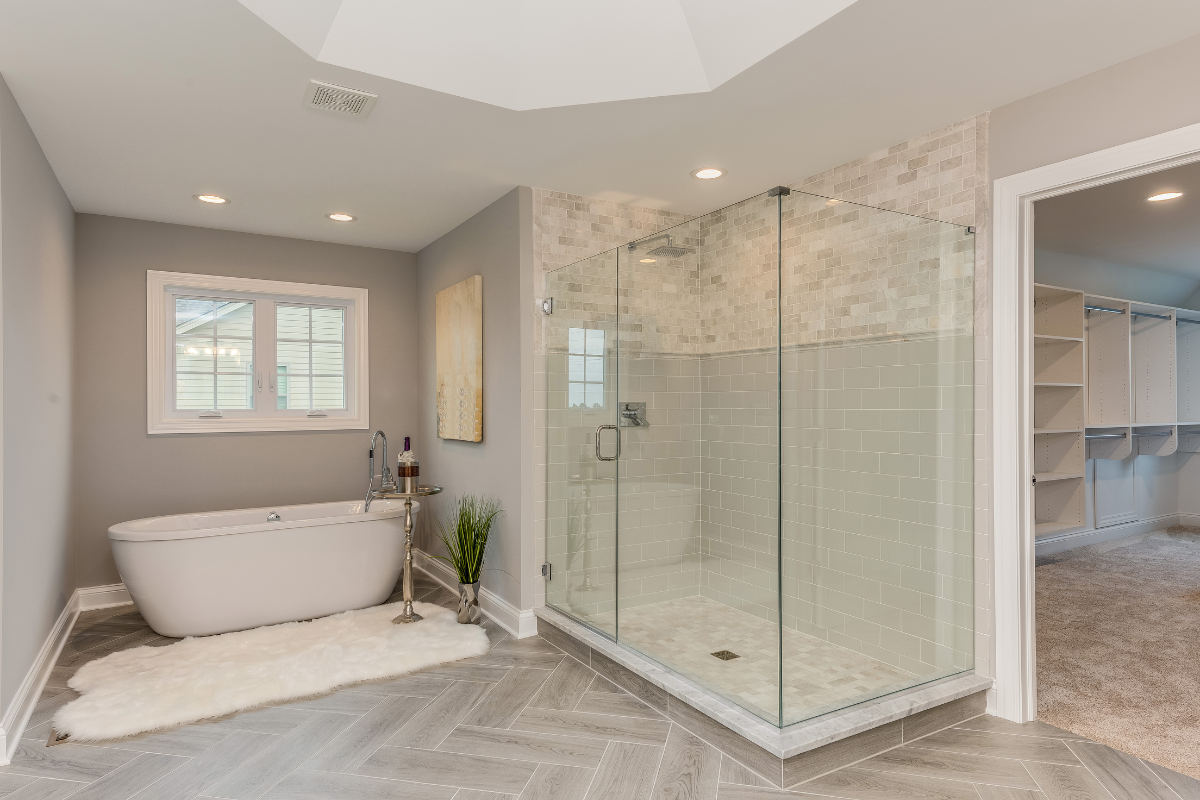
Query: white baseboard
x=521, y=624
x=1070, y=541
x=1190, y=520
x=94, y=597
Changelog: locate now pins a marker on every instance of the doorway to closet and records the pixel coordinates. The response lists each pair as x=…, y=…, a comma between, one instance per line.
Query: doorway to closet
x=1114, y=438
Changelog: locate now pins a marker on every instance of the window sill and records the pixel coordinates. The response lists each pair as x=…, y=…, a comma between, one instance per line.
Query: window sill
x=249, y=425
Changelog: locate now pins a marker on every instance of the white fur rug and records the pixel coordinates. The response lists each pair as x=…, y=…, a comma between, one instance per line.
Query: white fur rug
x=149, y=688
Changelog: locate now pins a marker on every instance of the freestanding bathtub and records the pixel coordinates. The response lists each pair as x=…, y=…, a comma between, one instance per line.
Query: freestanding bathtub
x=199, y=574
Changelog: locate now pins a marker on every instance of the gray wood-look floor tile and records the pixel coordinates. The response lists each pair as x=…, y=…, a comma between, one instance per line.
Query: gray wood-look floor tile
x=1001, y=745
x=129, y=779
x=1060, y=782
x=567, y=751
x=205, y=771
x=507, y=698
x=603, y=684
x=191, y=740
x=621, y=704
x=1125, y=776
x=9, y=783
x=255, y=776
x=47, y=789
x=916, y=760
x=69, y=762
x=861, y=784
x=565, y=686
x=343, y=702
x=433, y=723
x=690, y=768
x=530, y=644
x=135, y=639
x=733, y=772
x=992, y=724
x=475, y=794
x=367, y=734
x=419, y=685
x=277, y=721
x=480, y=673
x=600, y=726
x=988, y=792
x=732, y=791
x=306, y=784
x=48, y=704
x=626, y=772
x=519, y=658
x=1186, y=787
x=495, y=634
x=555, y=782
x=449, y=769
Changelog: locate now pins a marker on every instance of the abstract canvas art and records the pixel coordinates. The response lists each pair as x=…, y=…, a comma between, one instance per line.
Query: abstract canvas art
x=459, y=325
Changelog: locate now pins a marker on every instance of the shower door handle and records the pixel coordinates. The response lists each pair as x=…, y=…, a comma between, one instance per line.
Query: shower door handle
x=608, y=428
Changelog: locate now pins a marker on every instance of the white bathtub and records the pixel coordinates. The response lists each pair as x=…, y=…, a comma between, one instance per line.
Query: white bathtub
x=199, y=574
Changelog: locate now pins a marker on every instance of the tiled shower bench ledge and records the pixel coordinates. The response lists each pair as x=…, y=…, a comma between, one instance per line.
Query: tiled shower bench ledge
x=782, y=756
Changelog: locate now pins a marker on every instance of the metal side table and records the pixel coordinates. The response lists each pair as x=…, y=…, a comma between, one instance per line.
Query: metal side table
x=408, y=614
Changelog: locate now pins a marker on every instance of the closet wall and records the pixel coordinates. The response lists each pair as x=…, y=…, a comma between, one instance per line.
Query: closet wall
x=1116, y=415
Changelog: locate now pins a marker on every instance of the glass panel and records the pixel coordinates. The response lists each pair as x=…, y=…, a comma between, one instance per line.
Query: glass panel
x=311, y=359
x=578, y=366
x=698, y=486
x=214, y=354
x=878, y=405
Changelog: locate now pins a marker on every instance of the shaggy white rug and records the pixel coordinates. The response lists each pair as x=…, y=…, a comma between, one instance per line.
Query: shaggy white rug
x=149, y=688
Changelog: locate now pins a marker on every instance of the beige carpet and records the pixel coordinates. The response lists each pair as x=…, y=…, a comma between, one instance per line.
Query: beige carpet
x=1118, y=645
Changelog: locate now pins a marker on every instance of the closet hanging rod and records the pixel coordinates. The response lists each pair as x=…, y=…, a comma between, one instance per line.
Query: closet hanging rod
x=1185, y=319
x=1105, y=436
x=1158, y=433
x=1102, y=308
x=1152, y=316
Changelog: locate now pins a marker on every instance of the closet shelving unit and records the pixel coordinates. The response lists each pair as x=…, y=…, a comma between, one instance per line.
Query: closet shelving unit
x=1111, y=378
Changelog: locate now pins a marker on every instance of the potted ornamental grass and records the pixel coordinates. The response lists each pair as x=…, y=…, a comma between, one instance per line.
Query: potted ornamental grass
x=465, y=536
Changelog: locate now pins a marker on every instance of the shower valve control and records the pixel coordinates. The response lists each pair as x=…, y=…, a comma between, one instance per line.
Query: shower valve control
x=633, y=415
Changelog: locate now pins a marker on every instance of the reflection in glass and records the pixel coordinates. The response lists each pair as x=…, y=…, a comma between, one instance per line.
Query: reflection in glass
x=214, y=354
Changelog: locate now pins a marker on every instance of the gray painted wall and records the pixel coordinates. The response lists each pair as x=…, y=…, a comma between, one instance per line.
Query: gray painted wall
x=37, y=273
x=122, y=473
x=1113, y=280
x=1141, y=97
x=494, y=243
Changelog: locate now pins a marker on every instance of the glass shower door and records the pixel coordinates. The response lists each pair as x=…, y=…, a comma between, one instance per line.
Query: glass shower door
x=580, y=345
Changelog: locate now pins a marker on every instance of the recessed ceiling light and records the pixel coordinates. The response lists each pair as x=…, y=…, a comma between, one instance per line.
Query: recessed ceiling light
x=215, y=199
x=649, y=260
x=340, y=217
x=1164, y=196
x=708, y=173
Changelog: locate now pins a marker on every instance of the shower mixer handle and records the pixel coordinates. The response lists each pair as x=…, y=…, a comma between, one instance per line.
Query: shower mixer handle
x=599, y=428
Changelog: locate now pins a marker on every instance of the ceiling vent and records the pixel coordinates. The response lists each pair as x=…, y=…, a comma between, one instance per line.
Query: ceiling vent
x=339, y=99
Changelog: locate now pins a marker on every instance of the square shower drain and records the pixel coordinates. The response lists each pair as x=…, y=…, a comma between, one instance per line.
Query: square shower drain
x=725, y=655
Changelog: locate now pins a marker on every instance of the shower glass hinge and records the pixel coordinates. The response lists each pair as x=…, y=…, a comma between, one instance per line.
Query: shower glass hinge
x=971, y=229
x=546, y=570
x=779, y=191
x=548, y=305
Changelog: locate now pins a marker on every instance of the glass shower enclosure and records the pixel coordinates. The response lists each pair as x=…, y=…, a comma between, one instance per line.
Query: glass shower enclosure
x=758, y=435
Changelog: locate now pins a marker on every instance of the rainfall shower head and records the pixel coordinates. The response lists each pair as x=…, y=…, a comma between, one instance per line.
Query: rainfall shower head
x=669, y=250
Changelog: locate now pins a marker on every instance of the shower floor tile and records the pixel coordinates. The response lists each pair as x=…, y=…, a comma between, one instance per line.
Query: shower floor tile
x=683, y=635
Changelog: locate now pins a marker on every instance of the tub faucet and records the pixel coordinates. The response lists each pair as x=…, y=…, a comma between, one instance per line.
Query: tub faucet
x=386, y=482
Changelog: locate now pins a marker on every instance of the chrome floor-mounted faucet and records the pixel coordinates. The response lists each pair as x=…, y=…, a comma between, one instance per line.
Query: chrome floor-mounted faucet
x=386, y=482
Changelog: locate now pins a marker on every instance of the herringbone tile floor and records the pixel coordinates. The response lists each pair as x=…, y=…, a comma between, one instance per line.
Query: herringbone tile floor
x=525, y=721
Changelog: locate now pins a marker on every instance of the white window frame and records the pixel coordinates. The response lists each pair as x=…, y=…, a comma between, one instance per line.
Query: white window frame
x=161, y=417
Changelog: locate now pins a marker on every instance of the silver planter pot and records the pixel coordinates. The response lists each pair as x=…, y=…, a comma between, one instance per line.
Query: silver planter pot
x=468, y=603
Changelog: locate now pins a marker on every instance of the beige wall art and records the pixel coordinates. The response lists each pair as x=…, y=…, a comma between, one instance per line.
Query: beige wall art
x=459, y=323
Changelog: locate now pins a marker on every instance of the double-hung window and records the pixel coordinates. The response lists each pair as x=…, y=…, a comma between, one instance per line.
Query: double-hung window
x=238, y=354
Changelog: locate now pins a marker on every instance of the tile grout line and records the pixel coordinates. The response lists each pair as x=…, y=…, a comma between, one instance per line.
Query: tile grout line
x=596, y=772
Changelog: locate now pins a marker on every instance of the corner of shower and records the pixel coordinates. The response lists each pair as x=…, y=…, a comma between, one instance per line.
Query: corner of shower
x=757, y=430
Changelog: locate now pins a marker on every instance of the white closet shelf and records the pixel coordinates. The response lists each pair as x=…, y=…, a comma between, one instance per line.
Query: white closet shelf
x=1051, y=339
x=1042, y=431
x=1048, y=528
x=1043, y=477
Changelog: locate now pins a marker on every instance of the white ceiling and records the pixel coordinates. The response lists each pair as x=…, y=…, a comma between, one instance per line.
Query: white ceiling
x=1115, y=223
x=515, y=53
x=140, y=104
